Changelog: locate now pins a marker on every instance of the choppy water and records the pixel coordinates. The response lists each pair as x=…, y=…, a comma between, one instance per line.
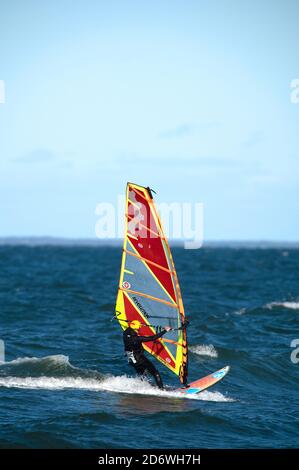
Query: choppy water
x=65, y=382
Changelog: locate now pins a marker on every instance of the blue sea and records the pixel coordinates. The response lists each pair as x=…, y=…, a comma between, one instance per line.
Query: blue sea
x=65, y=382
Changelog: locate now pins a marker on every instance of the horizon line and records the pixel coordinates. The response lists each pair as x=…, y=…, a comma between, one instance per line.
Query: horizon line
x=47, y=240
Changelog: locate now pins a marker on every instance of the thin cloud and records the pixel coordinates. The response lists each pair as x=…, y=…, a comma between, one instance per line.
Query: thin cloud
x=36, y=156
x=198, y=162
x=186, y=129
x=212, y=162
x=177, y=132
x=254, y=139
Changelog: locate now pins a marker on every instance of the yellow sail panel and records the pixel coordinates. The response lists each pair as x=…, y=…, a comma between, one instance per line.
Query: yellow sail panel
x=149, y=290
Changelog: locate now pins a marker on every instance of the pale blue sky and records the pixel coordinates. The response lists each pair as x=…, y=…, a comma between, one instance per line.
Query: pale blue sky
x=189, y=97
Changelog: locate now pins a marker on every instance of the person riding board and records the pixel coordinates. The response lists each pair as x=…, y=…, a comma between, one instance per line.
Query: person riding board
x=135, y=351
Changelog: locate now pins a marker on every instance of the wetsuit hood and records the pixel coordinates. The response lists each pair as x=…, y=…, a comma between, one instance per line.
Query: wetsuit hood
x=131, y=332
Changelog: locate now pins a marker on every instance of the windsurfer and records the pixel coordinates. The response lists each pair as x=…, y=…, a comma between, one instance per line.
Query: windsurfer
x=135, y=351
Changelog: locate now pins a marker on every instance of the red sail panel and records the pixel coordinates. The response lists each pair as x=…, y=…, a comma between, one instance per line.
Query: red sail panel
x=145, y=236
x=154, y=347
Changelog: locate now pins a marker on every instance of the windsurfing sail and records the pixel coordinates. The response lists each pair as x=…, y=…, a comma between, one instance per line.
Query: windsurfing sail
x=149, y=290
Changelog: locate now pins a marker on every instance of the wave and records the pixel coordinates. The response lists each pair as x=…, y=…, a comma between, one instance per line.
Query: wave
x=204, y=350
x=49, y=366
x=58, y=359
x=291, y=305
x=16, y=374
x=241, y=311
x=269, y=306
x=50, y=383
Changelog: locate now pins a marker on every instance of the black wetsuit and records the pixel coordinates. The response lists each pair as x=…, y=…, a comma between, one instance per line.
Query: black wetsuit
x=135, y=353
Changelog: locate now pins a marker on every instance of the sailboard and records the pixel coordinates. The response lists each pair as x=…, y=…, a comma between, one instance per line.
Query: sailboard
x=149, y=290
x=205, y=382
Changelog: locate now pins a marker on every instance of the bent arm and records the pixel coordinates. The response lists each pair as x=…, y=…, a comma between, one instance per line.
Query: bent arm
x=145, y=339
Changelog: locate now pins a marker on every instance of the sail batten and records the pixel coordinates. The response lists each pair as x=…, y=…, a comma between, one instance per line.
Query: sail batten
x=148, y=285
x=155, y=299
x=148, y=261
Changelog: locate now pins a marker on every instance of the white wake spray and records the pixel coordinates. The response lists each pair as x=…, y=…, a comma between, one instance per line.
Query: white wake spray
x=119, y=384
x=204, y=350
x=291, y=305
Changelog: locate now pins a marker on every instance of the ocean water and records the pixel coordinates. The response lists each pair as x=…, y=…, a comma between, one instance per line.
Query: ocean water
x=65, y=382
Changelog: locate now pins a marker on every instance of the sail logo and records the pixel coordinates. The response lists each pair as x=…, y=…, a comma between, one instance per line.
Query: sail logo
x=295, y=91
x=142, y=310
x=295, y=353
x=126, y=285
x=2, y=92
